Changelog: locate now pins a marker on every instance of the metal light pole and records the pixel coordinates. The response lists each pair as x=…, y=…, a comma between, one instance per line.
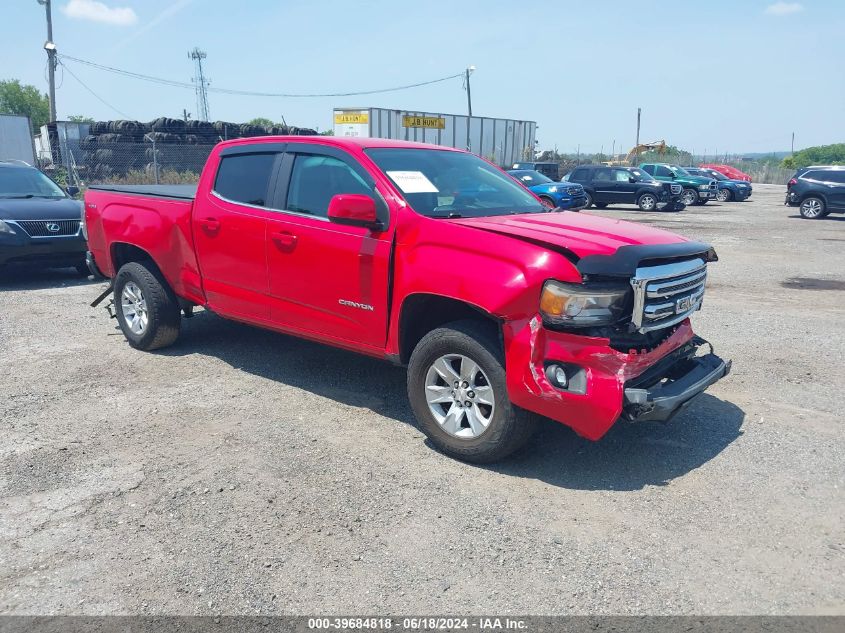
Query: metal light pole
x=51, y=58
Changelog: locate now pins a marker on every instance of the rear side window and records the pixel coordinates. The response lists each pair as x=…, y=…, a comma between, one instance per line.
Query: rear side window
x=580, y=175
x=663, y=172
x=816, y=175
x=245, y=178
x=649, y=169
x=837, y=176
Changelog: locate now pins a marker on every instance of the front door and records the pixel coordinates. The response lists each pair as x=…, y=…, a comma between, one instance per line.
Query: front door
x=625, y=191
x=327, y=279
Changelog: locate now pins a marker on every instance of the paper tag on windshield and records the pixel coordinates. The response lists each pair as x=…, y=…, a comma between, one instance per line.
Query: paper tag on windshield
x=412, y=182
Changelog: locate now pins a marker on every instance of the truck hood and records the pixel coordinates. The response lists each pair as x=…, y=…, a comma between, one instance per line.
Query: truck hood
x=40, y=209
x=581, y=234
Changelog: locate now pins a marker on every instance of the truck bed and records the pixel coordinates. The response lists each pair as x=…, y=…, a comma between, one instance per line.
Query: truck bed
x=179, y=192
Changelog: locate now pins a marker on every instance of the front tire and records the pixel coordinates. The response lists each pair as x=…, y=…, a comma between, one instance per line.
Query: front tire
x=458, y=392
x=548, y=202
x=147, y=310
x=689, y=196
x=589, y=201
x=812, y=208
x=647, y=202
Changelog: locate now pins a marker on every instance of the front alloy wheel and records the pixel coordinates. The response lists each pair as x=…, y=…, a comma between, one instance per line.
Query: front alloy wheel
x=459, y=396
x=689, y=196
x=723, y=195
x=647, y=202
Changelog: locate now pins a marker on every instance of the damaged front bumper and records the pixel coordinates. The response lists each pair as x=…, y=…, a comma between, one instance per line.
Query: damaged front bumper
x=606, y=385
x=670, y=387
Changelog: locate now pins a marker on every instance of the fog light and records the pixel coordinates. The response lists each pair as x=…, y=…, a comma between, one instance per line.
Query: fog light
x=557, y=376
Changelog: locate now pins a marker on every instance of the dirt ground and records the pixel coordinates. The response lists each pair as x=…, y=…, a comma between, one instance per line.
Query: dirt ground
x=244, y=472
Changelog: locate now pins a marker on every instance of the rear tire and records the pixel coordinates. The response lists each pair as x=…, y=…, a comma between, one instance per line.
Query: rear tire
x=147, y=310
x=812, y=208
x=467, y=354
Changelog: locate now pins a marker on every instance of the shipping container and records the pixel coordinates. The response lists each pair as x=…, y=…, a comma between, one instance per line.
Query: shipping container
x=501, y=141
x=16, y=139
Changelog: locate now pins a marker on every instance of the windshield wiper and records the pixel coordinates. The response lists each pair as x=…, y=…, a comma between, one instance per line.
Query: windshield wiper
x=27, y=195
x=450, y=216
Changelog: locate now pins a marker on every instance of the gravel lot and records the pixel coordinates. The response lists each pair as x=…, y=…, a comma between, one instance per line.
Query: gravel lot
x=247, y=472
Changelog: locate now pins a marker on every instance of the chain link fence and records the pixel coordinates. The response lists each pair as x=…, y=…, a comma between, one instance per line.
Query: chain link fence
x=150, y=162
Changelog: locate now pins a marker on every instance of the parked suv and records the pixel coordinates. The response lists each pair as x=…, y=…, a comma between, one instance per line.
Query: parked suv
x=552, y=194
x=729, y=189
x=548, y=169
x=625, y=185
x=695, y=189
x=817, y=191
x=39, y=221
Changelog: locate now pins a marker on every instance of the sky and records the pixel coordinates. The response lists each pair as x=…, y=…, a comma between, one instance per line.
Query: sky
x=710, y=76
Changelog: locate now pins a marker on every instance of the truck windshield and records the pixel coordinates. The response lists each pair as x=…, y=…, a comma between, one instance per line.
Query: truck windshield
x=446, y=184
x=680, y=171
x=24, y=182
x=642, y=176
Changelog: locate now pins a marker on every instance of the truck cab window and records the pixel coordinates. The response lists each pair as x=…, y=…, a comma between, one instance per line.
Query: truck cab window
x=245, y=178
x=316, y=179
x=663, y=172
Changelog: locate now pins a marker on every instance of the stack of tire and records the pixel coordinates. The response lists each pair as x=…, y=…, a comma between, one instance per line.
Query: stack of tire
x=115, y=148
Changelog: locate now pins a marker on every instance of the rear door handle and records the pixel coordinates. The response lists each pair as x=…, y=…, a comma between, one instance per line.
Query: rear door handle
x=210, y=224
x=283, y=238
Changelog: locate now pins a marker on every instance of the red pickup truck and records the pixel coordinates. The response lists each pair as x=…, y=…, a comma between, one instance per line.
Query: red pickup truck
x=428, y=257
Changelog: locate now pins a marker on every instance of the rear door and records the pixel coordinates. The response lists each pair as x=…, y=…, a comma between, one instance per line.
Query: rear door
x=836, y=196
x=229, y=227
x=326, y=279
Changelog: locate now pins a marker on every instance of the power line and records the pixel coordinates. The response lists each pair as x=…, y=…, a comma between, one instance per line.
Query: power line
x=249, y=93
x=98, y=97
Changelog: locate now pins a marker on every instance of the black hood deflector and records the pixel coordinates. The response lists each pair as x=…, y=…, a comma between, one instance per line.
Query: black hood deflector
x=626, y=259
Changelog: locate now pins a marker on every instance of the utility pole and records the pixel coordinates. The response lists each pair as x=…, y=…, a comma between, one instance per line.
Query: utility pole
x=51, y=58
x=201, y=83
x=469, y=71
x=613, y=154
x=637, y=144
x=792, y=147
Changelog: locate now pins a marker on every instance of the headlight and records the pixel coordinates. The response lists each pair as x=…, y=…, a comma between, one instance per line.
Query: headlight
x=83, y=226
x=577, y=305
x=704, y=186
x=553, y=189
x=5, y=228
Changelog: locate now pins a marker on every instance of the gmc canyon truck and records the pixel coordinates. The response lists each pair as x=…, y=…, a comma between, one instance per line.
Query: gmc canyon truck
x=428, y=257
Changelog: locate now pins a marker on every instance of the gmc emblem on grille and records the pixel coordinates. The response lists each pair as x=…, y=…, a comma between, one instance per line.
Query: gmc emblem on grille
x=683, y=305
x=53, y=227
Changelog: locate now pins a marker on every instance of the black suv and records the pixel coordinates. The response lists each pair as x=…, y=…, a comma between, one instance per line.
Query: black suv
x=626, y=185
x=39, y=221
x=550, y=170
x=817, y=191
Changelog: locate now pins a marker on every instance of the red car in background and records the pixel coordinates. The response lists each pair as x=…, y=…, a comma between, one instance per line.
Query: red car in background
x=727, y=170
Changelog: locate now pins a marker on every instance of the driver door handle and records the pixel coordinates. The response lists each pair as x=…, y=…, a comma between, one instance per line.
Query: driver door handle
x=284, y=239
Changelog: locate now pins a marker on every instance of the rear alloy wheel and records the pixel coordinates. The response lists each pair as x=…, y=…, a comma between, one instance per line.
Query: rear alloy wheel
x=689, y=196
x=724, y=195
x=812, y=208
x=147, y=310
x=647, y=202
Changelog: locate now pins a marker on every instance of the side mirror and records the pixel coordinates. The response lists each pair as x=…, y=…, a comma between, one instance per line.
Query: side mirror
x=72, y=191
x=354, y=209
x=632, y=179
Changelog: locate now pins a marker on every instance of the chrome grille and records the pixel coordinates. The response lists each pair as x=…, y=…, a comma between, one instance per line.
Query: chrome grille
x=575, y=190
x=676, y=189
x=667, y=294
x=49, y=228
x=713, y=185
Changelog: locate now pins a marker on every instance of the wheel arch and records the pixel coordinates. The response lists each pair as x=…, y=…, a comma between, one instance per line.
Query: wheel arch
x=423, y=312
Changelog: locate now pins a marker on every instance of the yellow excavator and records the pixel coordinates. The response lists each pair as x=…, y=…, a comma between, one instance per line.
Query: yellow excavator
x=660, y=146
